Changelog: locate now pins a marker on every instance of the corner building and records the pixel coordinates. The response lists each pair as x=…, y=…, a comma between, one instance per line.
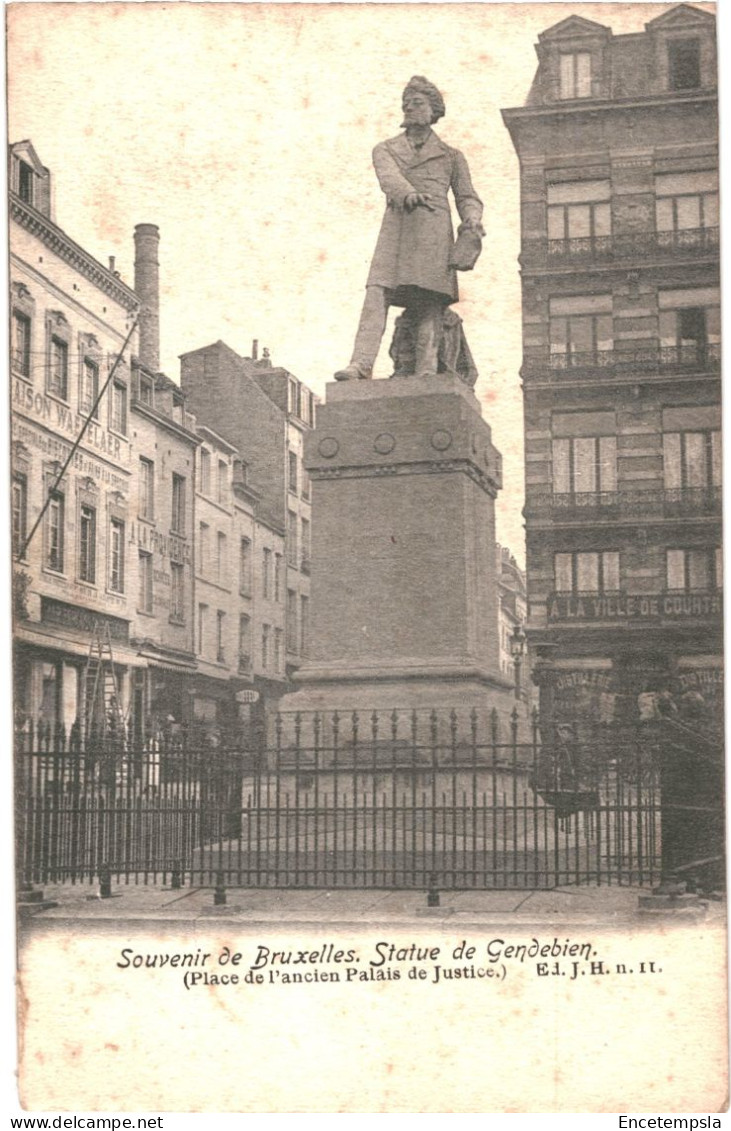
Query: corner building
x=618, y=151
x=70, y=317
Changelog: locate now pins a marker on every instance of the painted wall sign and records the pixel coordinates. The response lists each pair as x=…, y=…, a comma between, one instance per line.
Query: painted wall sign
x=56, y=415
x=673, y=606
x=55, y=448
x=170, y=546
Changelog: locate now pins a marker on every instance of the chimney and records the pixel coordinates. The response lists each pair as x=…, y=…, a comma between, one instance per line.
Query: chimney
x=147, y=286
x=255, y=350
x=112, y=263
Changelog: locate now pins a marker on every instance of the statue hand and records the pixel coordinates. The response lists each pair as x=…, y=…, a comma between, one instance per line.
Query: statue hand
x=414, y=199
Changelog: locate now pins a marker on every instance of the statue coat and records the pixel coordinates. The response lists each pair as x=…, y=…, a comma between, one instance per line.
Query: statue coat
x=413, y=248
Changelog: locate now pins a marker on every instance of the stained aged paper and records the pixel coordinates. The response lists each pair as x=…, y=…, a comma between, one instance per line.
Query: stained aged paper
x=245, y=132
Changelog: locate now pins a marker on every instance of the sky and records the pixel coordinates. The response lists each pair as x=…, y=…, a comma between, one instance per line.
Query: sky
x=244, y=131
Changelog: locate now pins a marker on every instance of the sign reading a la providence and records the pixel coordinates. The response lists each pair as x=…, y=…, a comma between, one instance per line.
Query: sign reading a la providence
x=625, y=606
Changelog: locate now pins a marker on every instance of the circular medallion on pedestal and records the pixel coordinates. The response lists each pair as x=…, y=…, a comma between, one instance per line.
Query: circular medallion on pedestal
x=384, y=443
x=328, y=447
x=441, y=439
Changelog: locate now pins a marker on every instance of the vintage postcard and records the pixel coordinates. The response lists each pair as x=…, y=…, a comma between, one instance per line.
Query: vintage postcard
x=364, y=410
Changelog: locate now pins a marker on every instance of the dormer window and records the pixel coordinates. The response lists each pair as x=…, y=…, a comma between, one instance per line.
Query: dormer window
x=575, y=75
x=145, y=390
x=684, y=64
x=25, y=182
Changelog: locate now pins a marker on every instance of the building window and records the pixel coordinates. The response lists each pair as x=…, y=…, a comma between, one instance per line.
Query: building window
x=87, y=544
x=304, y=623
x=581, y=337
x=579, y=210
x=587, y=572
x=145, y=577
x=118, y=419
x=291, y=621
x=265, y=634
x=221, y=554
x=89, y=387
x=686, y=202
x=575, y=75
x=177, y=592
x=147, y=489
x=292, y=539
x=277, y=649
x=277, y=577
x=177, y=523
x=20, y=512
x=584, y=464
x=692, y=459
x=203, y=547
x=244, y=642
x=684, y=64
x=25, y=182
x=305, y=484
x=21, y=343
x=694, y=571
x=292, y=457
x=293, y=398
x=58, y=374
x=245, y=566
x=687, y=333
x=266, y=567
x=205, y=472
x=116, y=555
x=145, y=389
x=220, y=637
x=305, y=544
x=202, y=616
x=222, y=482
x=55, y=532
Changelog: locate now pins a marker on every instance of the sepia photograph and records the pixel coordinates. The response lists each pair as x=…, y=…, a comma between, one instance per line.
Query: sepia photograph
x=366, y=557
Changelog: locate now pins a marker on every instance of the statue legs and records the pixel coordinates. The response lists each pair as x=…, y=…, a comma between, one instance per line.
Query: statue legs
x=426, y=310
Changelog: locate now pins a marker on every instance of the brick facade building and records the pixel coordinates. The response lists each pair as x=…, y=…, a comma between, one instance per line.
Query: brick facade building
x=618, y=152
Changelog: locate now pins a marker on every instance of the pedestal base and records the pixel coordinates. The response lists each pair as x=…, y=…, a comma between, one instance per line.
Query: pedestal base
x=404, y=596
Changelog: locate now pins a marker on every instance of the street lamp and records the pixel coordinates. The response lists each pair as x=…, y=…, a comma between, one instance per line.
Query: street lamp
x=517, y=651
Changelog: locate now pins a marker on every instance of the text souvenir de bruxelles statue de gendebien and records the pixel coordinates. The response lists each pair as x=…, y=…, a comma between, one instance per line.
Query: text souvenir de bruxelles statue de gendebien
x=416, y=256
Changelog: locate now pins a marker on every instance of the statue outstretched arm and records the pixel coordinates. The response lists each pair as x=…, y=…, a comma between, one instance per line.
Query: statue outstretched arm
x=392, y=181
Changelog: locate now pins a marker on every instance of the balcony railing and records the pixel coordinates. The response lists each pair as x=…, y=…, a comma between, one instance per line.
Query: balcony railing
x=594, y=364
x=582, y=506
x=620, y=248
x=673, y=605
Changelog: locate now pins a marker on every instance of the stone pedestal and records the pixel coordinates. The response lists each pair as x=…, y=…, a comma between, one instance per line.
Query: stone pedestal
x=404, y=604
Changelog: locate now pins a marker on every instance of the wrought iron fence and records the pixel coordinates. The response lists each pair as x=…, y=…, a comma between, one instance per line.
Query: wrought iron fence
x=628, y=503
x=595, y=364
x=391, y=800
x=620, y=247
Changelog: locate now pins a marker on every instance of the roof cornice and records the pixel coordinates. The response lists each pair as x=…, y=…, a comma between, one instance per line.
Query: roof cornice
x=608, y=105
x=56, y=240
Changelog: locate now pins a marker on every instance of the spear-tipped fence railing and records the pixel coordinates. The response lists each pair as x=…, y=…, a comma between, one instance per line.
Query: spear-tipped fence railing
x=390, y=799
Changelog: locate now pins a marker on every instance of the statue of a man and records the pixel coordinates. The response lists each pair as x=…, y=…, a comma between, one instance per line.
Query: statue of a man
x=412, y=263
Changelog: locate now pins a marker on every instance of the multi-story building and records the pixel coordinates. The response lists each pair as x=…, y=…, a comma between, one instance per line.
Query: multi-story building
x=160, y=552
x=298, y=403
x=264, y=412
x=70, y=319
x=618, y=154
x=512, y=608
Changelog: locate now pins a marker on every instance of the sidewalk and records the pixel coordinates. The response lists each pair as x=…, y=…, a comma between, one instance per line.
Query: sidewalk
x=156, y=906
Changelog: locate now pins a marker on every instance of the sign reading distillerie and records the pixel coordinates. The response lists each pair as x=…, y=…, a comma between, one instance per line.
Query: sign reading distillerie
x=623, y=606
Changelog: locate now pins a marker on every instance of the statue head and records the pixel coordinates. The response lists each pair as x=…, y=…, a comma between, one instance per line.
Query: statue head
x=420, y=85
